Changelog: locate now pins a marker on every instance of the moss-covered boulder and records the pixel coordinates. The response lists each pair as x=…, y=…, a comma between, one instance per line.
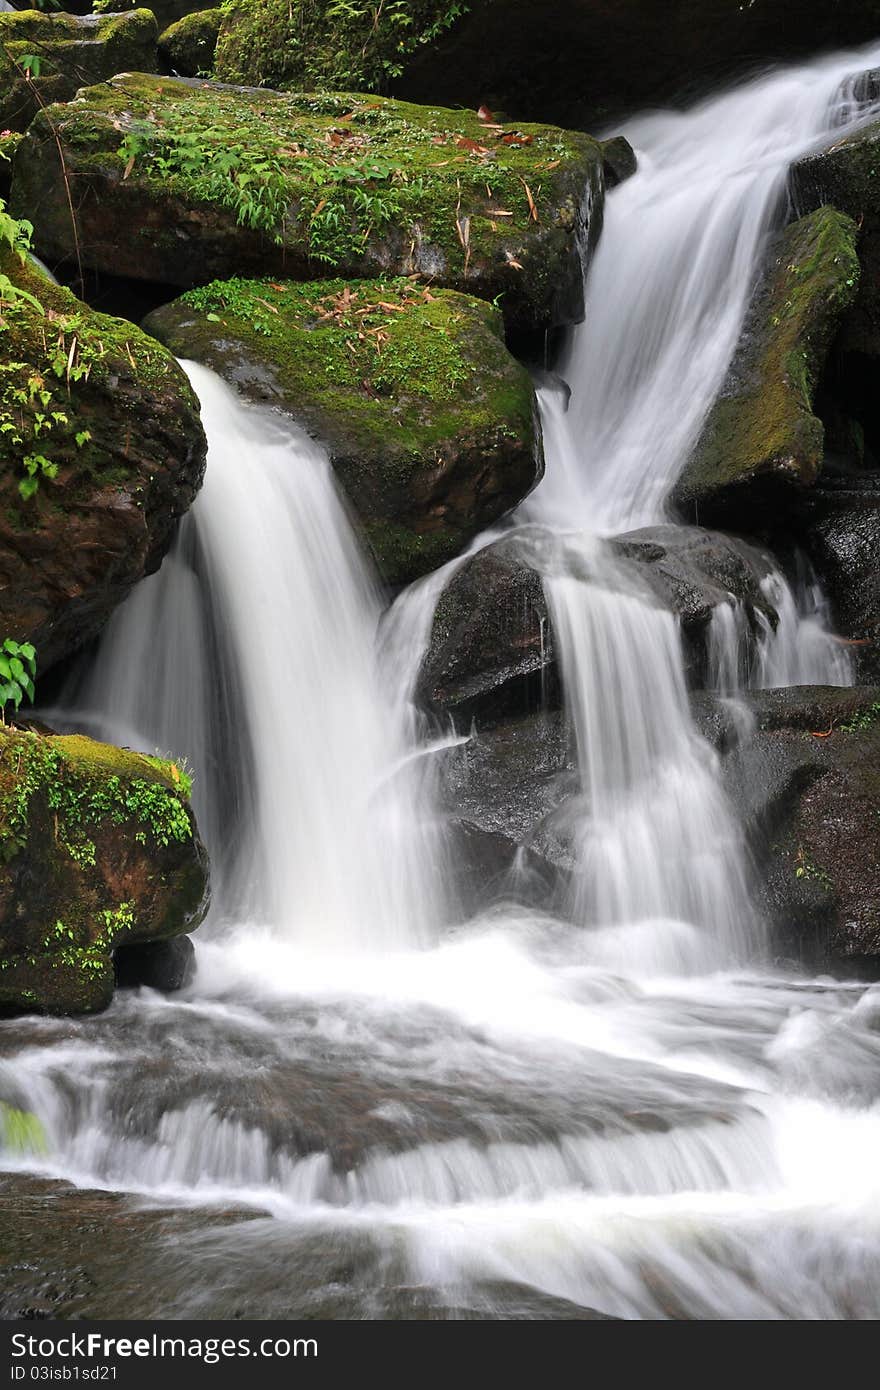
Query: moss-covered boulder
x=187, y=47
x=71, y=53
x=847, y=176
x=428, y=420
x=301, y=45
x=762, y=437
x=98, y=849
x=101, y=450
x=184, y=182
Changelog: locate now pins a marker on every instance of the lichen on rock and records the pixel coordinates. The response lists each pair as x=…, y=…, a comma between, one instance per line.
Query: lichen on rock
x=98, y=849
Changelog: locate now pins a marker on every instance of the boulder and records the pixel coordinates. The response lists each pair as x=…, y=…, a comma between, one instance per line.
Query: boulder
x=187, y=46
x=846, y=177
x=98, y=849
x=762, y=441
x=428, y=420
x=492, y=652
x=574, y=61
x=102, y=450
x=162, y=965
x=72, y=53
x=182, y=182
x=839, y=526
x=807, y=786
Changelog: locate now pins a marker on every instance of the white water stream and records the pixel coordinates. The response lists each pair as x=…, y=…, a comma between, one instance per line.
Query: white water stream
x=521, y=1113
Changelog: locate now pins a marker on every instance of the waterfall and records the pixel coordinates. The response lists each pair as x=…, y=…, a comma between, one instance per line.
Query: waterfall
x=252, y=651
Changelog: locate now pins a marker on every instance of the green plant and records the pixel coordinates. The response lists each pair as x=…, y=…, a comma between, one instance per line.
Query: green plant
x=18, y=667
x=863, y=720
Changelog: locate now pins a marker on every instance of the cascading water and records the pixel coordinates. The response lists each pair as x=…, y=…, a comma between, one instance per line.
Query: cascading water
x=253, y=652
x=523, y=1118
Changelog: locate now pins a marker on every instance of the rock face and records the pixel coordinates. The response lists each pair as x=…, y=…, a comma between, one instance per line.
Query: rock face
x=429, y=421
x=846, y=177
x=364, y=186
x=187, y=46
x=619, y=55
x=839, y=525
x=492, y=652
x=808, y=786
x=762, y=438
x=99, y=849
x=72, y=53
x=104, y=422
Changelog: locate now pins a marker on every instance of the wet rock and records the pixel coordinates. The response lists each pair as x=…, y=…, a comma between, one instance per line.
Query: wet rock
x=762, y=443
x=807, y=785
x=839, y=526
x=492, y=652
x=429, y=421
x=99, y=849
x=89, y=500
x=359, y=185
x=165, y=966
x=73, y=53
x=618, y=160
x=488, y=868
x=845, y=177
x=187, y=46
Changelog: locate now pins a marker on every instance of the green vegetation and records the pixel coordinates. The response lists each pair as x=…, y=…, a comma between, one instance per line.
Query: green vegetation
x=86, y=785
x=327, y=44
x=861, y=721
x=18, y=667
x=188, y=45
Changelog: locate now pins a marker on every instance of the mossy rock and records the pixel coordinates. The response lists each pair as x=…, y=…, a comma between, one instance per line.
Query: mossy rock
x=187, y=47
x=299, y=45
x=98, y=850
x=762, y=436
x=183, y=182
x=108, y=424
x=847, y=177
x=428, y=420
x=73, y=52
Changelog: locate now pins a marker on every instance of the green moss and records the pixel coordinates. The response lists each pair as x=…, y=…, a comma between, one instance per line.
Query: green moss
x=56, y=353
x=347, y=181
x=21, y=1132
x=86, y=784
x=72, y=53
x=863, y=720
x=320, y=44
x=188, y=45
x=763, y=421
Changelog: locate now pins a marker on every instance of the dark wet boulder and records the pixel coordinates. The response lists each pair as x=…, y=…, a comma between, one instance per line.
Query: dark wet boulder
x=71, y=52
x=165, y=966
x=428, y=420
x=187, y=46
x=619, y=160
x=487, y=867
x=302, y=185
x=102, y=451
x=839, y=526
x=492, y=652
x=98, y=850
x=807, y=785
x=762, y=443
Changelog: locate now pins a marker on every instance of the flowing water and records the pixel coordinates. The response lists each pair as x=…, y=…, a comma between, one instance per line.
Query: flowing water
x=620, y=1111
